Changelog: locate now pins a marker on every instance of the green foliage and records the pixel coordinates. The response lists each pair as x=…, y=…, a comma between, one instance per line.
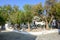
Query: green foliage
x=28, y=16
x=3, y=14
x=51, y=8
x=57, y=10
x=21, y=16
x=27, y=7
x=37, y=9
x=2, y=21
x=28, y=13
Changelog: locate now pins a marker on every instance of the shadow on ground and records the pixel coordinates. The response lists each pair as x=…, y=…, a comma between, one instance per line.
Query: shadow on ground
x=15, y=36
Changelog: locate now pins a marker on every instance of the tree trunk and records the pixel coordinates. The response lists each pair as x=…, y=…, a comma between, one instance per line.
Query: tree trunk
x=28, y=27
x=47, y=25
x=18, y=26
x=51, y=20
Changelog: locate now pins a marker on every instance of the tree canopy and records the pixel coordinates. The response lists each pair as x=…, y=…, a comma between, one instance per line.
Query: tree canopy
x=16, y=15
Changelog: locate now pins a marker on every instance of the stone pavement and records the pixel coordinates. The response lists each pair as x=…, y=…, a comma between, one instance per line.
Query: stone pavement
x=54, y=36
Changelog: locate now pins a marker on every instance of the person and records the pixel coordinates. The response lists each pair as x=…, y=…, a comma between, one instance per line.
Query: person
x=54, y=23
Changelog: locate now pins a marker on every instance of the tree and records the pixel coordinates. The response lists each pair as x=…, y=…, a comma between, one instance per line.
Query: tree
x=14, y=15
x=1, y=18
x=57, y=7
x=17, y=16
x=2, y=21
x=8, y=9
x=37, y=9
x=50, y=12
x=28, y=15
x=5, y=11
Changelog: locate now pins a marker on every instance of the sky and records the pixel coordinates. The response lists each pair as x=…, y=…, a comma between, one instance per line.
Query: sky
x=20, y=3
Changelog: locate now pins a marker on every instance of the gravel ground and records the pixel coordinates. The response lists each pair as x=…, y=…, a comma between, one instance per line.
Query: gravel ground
x=19, y=36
